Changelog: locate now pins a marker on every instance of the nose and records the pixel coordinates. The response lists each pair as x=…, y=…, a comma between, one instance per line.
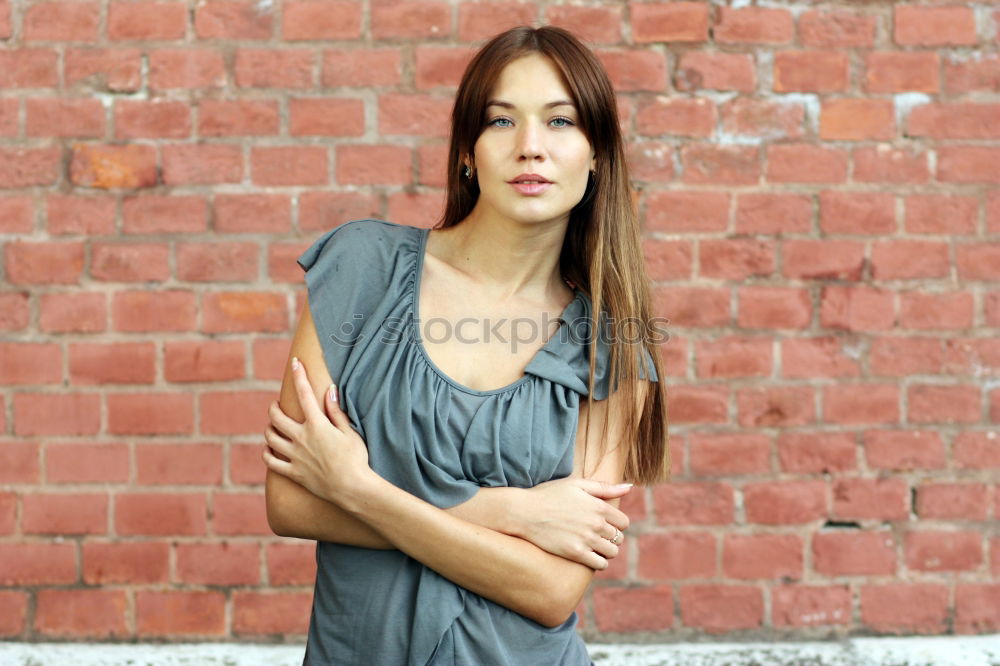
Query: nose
x=530, y=142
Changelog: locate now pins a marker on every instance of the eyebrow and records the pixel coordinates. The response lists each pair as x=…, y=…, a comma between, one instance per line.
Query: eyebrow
x=508, y=105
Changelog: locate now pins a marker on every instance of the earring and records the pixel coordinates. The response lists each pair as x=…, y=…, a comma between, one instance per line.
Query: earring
x=468, y=171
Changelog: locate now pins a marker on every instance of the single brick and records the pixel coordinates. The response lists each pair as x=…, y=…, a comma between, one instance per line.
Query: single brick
x=903, y=71
x=810, y=71
x=82, y=613
x=837, y=29
x=186, y=68
x=904, y=450
x=762, y=556
x=729, y=454
x=968, y=164
x=718, y=609
x=913, y=608
x=785, y=502
x=852, y=552
x=441, y=66
x=805, y=163
x=635, y=70
x=257, y=613
x=940, y=550
x=701, y=70
x=321, y=19
x=810, y=605
x=885, y=498
x=229, y=19
x=934, y=26
x=180, y=613
x=634, y=609
x=816, y=452
x=593, y=25
x=669, y=22
x=901, y=356
x=857, y=120
x=412, y=20
x=361, y=67
x=701, y=503
x=146, y=20
x=679, y=210
x=482, y=20
x=753, y=25
x=886, y=164
x=861, y=403
x=707, y=164
x=774, y=307
x=773, y=406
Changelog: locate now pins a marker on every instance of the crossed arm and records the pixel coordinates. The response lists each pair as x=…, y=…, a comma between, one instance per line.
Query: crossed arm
x=365, y=510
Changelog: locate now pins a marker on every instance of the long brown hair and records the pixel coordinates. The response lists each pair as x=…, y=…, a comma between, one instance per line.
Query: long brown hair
x=602, y=250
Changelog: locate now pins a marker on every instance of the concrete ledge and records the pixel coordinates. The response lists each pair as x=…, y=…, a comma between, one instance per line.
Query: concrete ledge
x=933, y=651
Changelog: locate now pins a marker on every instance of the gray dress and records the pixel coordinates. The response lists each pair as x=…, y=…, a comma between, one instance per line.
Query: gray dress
x=440, y=441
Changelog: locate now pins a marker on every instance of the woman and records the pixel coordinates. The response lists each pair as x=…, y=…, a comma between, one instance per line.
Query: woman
x=457, y=518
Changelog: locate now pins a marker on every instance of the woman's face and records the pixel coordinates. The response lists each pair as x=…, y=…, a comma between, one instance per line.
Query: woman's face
x=532, y=127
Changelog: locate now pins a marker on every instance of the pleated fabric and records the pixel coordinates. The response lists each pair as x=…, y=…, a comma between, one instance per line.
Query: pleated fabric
x=440, y=441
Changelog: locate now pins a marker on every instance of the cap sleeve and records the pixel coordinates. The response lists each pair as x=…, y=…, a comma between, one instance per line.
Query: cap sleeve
x=354, y=279
x=345, y=273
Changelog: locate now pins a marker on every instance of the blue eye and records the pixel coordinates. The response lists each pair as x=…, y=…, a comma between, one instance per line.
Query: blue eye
x=560, y=122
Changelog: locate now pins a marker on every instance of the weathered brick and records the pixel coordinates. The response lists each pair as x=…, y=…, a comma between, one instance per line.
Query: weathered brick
x=321, y=19
x=917, y=608
x=669, y=22
x=753, y=25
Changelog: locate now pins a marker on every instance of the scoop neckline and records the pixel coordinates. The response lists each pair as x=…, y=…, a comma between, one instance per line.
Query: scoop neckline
x=418, y=269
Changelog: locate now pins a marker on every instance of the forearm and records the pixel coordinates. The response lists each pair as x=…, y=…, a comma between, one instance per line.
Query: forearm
x=505, y=569
x=293, y=511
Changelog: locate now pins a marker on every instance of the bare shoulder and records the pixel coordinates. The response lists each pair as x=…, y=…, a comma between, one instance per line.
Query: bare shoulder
x=595, y=457
x=305, y=346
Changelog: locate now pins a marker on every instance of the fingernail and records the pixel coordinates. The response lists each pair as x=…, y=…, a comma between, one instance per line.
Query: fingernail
x=295, y=363
x=333, y=393
x=624, y=485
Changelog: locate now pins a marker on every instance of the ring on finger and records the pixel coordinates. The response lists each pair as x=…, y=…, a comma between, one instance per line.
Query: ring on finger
x=617, y=538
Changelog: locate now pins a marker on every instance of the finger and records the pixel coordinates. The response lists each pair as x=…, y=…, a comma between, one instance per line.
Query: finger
x=277, y=455
x=606, y=549
x=304, y=390
x=277, y=465
x=605, y=490
x=330, y=401
x=596, y=562
x=613, y=535
x=617, y=518
x=281, y=421
x=278, y=444
x=336, y=414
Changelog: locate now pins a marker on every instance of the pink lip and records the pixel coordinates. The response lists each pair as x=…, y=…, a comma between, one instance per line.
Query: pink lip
x=530, y=188
x=529, y=176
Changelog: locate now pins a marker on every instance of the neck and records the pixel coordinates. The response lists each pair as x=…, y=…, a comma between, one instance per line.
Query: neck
x=506, y=257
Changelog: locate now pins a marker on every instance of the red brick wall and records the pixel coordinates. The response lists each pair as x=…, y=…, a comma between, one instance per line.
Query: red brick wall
x=818, y=185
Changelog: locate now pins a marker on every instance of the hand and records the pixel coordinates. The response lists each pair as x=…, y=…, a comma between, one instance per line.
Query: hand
x=324, y=455
x=569, y=517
